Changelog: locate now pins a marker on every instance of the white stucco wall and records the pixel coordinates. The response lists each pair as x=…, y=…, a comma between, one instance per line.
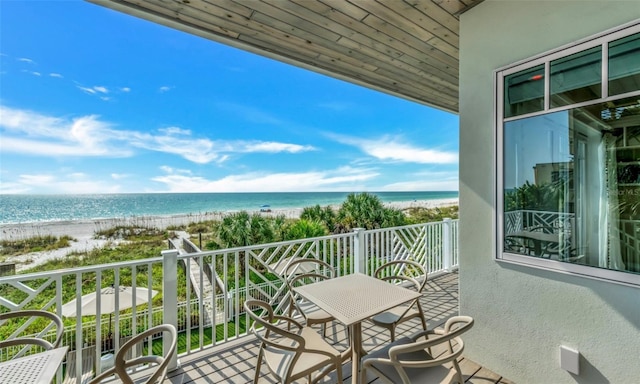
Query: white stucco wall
x=523, y=315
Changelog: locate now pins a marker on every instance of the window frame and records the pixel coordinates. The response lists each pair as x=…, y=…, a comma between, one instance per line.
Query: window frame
x=602, y=39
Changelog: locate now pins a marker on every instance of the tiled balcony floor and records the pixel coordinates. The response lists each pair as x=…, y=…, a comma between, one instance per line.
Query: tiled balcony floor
x=234, y=363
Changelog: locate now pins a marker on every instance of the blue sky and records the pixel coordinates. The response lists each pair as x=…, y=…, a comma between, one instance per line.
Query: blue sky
x=96, y=101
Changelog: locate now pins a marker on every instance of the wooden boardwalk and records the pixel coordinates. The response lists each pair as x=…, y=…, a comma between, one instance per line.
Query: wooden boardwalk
x=235, y=362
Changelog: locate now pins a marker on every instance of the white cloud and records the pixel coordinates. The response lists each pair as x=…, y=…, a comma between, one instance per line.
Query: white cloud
x=175, y=131
x=56, y=75
x=125, y=89
x=34, y=73
x=274, y=147
x=426, y=181
x=25, y=60
x=202, y=150
x=164, y=89
x=393, y=149
x=87, y=90
x=171, y=170
x=66, y=183
x=28, y=132
x=119, y=176
x=36, y=179
x=94, y=90
x=345, y=178
x=13, y=188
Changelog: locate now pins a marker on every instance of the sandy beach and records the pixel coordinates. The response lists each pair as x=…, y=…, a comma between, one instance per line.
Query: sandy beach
x=83, y=230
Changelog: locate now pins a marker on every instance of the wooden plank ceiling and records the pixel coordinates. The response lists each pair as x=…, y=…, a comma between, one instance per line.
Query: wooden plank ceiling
x=406, y=48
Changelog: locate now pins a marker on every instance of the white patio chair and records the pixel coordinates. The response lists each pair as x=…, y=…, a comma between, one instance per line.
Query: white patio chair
x=125, y=369
x=18, y=333
x=290, y=355
x=409, y=274
x=408, y=360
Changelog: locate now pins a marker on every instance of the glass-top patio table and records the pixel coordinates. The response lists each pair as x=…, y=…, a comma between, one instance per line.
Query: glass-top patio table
x=352, y=299
x=539, y=239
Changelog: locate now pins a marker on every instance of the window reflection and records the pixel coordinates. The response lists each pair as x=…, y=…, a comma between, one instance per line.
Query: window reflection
x=572, y=185
x=576, y=78
x=624, y=65
x=524, y=92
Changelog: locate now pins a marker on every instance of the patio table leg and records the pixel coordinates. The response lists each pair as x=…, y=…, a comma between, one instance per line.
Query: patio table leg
x=356, y=351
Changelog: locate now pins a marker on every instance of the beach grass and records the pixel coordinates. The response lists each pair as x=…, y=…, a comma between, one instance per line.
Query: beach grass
x=426, y=215
x=32, y=244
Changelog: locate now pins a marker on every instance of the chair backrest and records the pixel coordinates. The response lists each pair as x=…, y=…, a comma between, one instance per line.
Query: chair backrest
x=19, y=325
x=274, y=338
x=453, y=328
x=271, y=334
x=306, y=271
x=122, y=367
x=406, y=272
x=450, y=334
x=282, y=348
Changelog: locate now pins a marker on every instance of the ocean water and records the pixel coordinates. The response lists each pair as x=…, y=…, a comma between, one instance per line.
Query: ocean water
x=42, y=208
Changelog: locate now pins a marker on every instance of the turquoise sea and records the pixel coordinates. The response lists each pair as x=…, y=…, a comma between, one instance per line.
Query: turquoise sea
x=41, y=208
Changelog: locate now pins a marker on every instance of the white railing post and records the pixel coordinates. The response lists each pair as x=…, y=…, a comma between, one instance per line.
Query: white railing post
x=359, y=264
x=446, y=244
x=170, y=296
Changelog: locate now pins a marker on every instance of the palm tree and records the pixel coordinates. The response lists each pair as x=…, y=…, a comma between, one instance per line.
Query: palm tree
x=537, y=197
x=241, y=229
x=303, y=229
x=235, y=230
x=365, y=210
x=324, y=215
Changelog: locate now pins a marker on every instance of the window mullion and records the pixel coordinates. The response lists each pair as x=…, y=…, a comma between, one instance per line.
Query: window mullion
x=605, y=70
x=547, y=85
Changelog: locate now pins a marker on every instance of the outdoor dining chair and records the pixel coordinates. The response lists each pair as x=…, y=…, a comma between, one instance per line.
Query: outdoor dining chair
x=126, y=369
x=307, y=271
x=409, y=274
x=426, y=357
x=290, y=354
x=17, y=325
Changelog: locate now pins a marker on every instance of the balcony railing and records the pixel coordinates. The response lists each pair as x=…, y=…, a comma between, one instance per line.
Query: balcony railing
x=202, y=293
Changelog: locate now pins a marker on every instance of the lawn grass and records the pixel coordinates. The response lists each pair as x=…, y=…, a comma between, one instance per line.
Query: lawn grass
x=195, y=336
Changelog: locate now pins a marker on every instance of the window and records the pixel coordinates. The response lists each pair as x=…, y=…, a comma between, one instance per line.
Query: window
x=569, y=159
x=576, y=78
x=524, y=92
x=624, y=73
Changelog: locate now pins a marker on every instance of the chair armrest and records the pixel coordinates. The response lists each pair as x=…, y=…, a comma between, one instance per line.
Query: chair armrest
x=288, y=320
x=396, y=352
x=426, y=333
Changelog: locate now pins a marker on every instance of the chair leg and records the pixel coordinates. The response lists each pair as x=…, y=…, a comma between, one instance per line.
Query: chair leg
x=458, y=376
x=339, y=372
x=258, y=363
x=392, y=329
